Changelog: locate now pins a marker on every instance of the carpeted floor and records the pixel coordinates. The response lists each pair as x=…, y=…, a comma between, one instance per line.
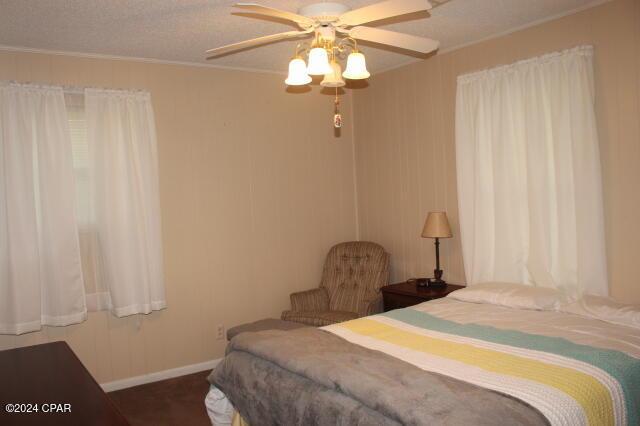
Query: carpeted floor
x=178, y=401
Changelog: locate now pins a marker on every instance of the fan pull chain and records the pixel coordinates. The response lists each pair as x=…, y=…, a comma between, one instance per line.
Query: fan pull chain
x=337, y=117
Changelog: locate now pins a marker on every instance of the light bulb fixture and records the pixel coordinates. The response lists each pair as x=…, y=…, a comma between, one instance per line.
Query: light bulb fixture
x=323, y=56
x=356, y=67
x=297, y=73
x=334, y=78
x=318, y=62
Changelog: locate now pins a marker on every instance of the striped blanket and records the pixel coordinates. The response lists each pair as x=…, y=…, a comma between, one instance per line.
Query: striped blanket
x=569, y=383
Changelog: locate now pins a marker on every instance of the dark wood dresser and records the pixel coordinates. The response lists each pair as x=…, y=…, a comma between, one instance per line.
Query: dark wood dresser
x=48, y=385
x=405, y=294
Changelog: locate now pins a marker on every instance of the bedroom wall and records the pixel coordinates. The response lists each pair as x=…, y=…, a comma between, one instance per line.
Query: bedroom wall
x=254, y=190
x=405, y=147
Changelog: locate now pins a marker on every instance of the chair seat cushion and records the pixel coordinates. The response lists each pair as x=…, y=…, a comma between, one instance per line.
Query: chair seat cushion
x=318, y=318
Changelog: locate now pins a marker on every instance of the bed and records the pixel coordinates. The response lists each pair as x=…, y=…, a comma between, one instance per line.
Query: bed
x=484, y=356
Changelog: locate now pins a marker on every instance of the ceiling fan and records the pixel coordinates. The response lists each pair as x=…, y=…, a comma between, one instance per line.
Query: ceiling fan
x=335, y=30
x=327, y=19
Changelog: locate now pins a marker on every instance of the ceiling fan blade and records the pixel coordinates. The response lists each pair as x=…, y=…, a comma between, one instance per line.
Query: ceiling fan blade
x=254, y=42
x=383, y=10
x=392, y=38
x=269, y=11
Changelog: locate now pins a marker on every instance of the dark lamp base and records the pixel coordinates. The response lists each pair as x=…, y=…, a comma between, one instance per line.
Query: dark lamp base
x=437, y=283
x=437, y=274
x=437, y=280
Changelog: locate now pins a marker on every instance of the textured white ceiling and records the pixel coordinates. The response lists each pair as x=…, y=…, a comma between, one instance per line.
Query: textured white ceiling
x=181, y=30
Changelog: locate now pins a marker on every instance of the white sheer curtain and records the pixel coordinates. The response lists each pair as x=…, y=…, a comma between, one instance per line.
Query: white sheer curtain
x=124, y=199
x=40, y=268
x=529, y=180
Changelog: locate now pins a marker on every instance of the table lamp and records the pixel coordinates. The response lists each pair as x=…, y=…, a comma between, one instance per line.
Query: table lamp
x=437, y=226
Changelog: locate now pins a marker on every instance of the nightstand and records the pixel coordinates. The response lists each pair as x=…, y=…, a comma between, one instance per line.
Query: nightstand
x=406, y=294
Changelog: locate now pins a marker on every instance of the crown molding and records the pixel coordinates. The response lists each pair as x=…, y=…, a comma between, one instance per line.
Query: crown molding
x=21, y=49
x=501, y=34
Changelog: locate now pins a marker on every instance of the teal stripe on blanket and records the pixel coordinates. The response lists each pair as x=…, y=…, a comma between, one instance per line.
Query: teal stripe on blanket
x=622, y=367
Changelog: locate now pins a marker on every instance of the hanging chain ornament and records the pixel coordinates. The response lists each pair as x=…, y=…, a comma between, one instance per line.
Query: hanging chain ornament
x=337, y=117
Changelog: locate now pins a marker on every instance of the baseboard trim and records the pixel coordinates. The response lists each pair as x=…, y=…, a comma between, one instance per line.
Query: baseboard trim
x=159, y=375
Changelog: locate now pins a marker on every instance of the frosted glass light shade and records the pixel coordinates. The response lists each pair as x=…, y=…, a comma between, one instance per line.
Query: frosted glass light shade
x=318, y=62
x=297, y=73
x=356, y=67
x=334, y=78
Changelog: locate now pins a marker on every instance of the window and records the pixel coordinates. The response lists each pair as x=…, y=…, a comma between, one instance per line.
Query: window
x=85, y=234
x=97, y=295
x=80, y=151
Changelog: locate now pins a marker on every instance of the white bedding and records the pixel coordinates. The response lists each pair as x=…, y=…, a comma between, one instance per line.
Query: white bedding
x=570, y=385
x=219, y=408
x=575, y=328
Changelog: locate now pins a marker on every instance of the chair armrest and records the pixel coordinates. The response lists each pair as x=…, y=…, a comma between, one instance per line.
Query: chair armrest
x=370, y=306
x=310, y=300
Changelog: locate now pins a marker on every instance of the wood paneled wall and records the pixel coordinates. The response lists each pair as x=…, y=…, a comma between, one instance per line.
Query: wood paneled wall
x=254, y=187
x=405, y=140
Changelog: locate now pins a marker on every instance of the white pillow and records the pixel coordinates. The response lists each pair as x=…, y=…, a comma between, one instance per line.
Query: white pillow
x=512, y=295
x=605, y=309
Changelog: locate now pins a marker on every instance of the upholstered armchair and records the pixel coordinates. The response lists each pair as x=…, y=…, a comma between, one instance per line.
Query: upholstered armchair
x=350, y=286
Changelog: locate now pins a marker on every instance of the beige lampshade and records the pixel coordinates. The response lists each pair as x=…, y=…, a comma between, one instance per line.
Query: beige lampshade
x=436, y=226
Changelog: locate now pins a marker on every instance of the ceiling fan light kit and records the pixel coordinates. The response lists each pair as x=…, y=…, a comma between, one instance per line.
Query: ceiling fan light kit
x=297, y=73
x=319, y=62
x=323, y=61
x=333, y=79
x=335, y=30
x=356, y=67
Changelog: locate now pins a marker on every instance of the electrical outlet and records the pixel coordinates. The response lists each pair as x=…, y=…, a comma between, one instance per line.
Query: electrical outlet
x=220, y=332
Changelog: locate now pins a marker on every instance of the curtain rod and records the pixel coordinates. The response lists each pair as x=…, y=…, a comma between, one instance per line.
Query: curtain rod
x=79, y=90
x=73, y=90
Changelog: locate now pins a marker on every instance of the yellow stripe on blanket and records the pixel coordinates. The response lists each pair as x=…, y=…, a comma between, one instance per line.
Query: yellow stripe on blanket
x=580, y=386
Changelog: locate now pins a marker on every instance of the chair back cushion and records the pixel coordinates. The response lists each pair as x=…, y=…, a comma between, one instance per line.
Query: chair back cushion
x=353, y=272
